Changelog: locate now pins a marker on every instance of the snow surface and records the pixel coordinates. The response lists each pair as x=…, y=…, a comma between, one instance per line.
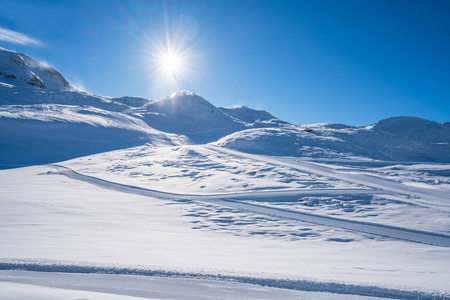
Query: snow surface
x=43, y=133
x=55, y=217
x=50, y=285
x=266, y=210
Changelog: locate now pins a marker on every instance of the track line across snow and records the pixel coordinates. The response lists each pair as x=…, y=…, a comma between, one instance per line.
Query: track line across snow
x=23, y=271
x=440, y=199
x=229, y=200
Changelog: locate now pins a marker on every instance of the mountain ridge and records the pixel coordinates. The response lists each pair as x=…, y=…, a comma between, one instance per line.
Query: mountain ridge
x=32, y=113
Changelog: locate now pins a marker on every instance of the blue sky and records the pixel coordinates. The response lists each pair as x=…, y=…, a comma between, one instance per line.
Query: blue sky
x=352, y=62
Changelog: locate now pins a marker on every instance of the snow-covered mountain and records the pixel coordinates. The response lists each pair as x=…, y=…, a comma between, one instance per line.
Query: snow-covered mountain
x=247, y=114
x=400, y=138
x=44, y=119
x=21, y=70
x=191, y=115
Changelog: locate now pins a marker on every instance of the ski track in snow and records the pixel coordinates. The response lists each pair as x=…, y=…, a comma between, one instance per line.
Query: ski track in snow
x=229, y=200
x=181, y=285
x=386, y=185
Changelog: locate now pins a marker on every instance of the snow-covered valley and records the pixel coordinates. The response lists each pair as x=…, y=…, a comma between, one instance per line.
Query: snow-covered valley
x=127, y=198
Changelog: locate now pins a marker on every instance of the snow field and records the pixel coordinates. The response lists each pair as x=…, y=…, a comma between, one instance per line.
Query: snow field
x=56, y=217
x=198, y=170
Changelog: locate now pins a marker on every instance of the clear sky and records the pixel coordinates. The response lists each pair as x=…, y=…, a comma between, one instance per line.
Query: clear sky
x=352, y=62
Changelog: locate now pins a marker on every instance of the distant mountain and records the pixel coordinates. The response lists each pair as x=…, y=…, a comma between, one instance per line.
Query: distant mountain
x=191, y=115
x=248, y=115
x=132, y=101
x=400, y=138
x=415, y=128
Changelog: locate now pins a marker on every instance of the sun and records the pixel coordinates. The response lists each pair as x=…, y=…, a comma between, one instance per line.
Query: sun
x=171, y=63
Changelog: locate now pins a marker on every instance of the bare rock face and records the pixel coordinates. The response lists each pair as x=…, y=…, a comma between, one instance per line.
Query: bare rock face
x=20, y=69
x=36, y=81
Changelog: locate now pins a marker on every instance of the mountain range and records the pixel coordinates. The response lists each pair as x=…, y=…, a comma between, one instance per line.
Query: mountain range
x=44, y=119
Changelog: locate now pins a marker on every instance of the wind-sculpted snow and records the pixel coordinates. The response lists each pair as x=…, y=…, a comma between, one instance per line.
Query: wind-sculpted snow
x=348, y=189
x=343, y=289
x=231, y=201
x=429, y=197
x=197, y=169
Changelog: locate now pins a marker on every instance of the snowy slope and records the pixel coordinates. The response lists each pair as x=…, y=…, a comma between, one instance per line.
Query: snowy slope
x=132, y=101
x=403, y=139
x=247, y=114
x=43, y=133
x=27, y=95
x=415, y=129
x=254, y=118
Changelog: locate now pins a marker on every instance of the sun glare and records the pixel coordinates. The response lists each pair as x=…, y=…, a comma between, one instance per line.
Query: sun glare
x=170, y=66
x=171, y=63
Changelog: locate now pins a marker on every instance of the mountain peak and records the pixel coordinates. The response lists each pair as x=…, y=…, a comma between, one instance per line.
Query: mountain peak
x=182, y=93
x=22, y=70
